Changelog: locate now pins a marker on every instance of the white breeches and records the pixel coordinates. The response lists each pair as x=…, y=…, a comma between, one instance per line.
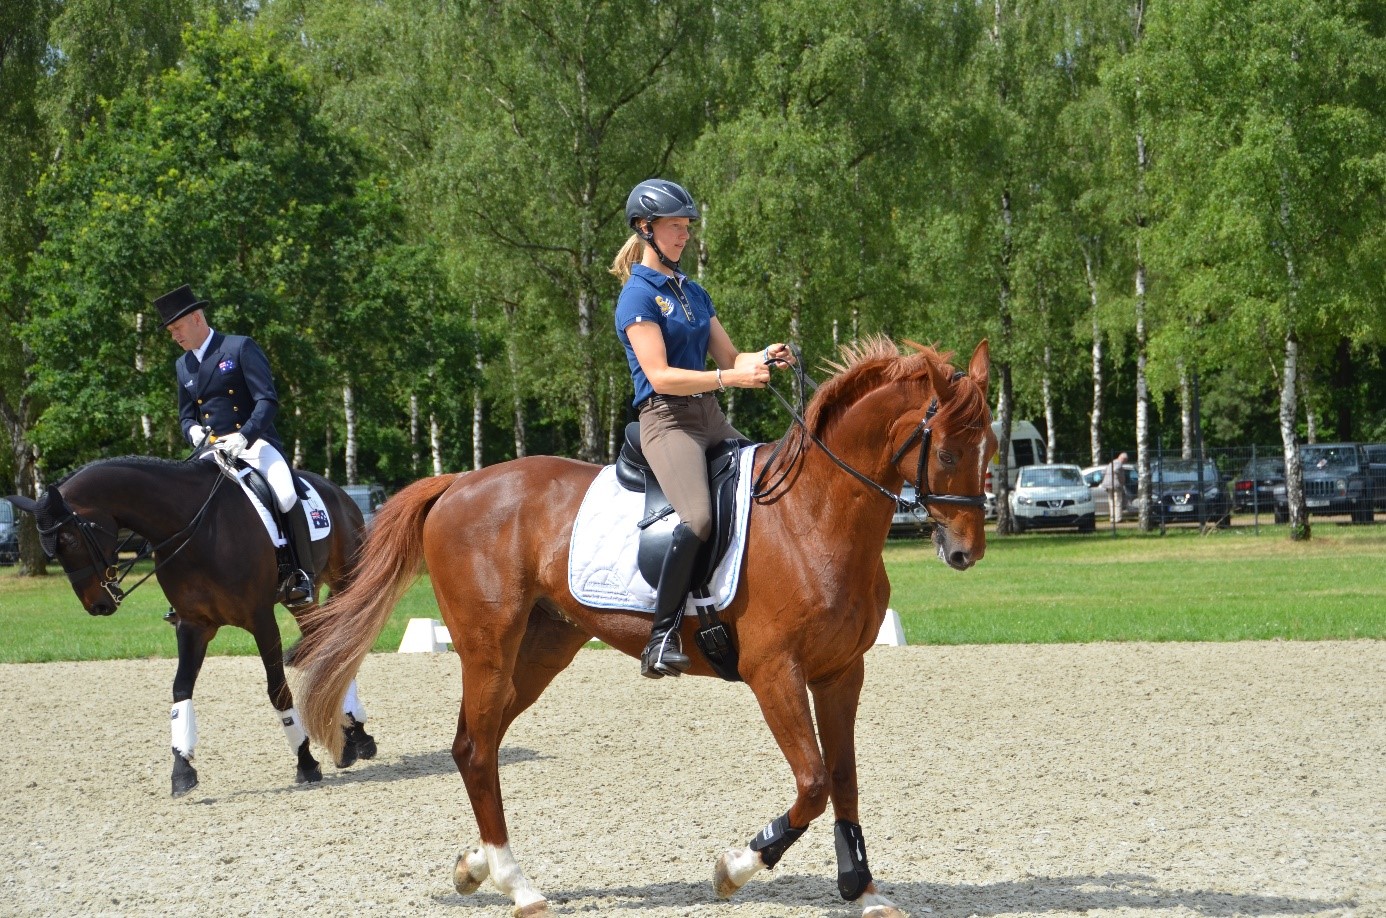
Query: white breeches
x=265, y=459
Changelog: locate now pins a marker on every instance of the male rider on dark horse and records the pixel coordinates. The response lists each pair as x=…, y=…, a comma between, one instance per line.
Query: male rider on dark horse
x=227, y=401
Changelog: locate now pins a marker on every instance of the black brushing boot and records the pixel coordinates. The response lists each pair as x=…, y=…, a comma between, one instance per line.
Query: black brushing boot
x=664, y=654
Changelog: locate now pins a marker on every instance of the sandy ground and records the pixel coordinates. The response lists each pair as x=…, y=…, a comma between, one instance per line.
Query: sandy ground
x=1116, y=779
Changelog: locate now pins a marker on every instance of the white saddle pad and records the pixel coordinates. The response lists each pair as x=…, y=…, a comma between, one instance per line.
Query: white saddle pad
x=319, y=522
x=603, y=570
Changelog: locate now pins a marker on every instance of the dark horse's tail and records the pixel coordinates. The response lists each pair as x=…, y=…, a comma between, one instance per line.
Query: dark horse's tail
x=339, y=634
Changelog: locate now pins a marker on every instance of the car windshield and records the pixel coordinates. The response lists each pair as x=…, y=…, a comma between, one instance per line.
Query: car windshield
x=1265, y=468
x=1184, y=470
x=1049, y=478
x=1328, y=457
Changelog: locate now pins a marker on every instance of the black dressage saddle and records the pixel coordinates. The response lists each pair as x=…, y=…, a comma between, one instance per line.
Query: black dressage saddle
x=634, y=474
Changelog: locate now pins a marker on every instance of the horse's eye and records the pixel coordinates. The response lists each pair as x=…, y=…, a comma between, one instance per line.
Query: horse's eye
x=947, y=458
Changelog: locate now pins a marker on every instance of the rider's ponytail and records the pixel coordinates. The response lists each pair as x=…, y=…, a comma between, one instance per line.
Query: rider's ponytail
x=630, y=253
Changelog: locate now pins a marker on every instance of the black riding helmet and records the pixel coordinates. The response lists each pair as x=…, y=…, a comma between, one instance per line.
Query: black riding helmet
x=658, y=198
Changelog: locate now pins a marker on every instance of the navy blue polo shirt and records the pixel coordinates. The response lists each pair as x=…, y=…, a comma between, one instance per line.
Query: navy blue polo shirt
x=685, y=321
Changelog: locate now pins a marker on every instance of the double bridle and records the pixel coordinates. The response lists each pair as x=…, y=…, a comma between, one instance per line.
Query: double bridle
x=113, y=572
x=923, y=432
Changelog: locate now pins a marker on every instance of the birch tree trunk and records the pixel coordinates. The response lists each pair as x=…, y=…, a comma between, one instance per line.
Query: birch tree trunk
x=1294, y=471
x=435, y=443
x=1142, y=400
x=478, y=407
x=1095, y=419
x=1300, y=530
x=349, y=411
x=146, y=423
x=1046, y=393
x=1185, y=415
x=517, y=405
x=414, y=434
x=327, y=451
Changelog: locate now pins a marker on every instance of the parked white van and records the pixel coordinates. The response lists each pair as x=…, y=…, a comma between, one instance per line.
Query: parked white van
x=1027, y=448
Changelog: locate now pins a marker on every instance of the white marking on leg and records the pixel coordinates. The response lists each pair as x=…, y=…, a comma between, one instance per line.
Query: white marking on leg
x=293, y=728
x=183, y=725
x=508, y=877
x=737, y=865
x=874, y=905
x=471, y=871
x=352, y=705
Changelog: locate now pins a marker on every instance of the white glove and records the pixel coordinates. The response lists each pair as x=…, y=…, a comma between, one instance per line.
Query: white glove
x=232, y=445
x=197, y=436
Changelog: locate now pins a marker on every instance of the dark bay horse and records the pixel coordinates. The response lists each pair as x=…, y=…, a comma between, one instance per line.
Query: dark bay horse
x=216, y=565
x=811, y=599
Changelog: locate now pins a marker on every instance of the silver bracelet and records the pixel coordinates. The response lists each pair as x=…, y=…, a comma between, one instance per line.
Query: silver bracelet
x=719, y=379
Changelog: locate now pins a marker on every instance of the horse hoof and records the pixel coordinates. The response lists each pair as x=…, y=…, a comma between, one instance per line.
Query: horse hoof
x=464, y=878
x=184, y=775
x=365, y=743
x=722, y=882
x=348, y=755
x=883, y=911
x=308, y=775
x=538, y=909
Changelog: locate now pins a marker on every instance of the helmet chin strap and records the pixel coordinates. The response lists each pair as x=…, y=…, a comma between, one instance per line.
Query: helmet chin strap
x=647, y=235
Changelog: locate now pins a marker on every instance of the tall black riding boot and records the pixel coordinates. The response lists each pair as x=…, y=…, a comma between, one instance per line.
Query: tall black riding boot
x=664, y=654
x=298, y=588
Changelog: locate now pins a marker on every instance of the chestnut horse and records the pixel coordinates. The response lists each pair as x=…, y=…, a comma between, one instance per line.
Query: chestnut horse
x=810, y=603
x=216, y=565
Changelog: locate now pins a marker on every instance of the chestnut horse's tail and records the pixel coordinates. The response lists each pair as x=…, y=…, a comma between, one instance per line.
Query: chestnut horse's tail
x=338, y=635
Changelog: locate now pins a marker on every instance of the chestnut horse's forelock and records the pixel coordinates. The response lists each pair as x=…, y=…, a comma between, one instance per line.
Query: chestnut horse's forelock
x=875, y=361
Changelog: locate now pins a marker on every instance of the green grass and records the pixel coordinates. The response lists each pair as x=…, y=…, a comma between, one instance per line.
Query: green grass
x=1228, y=585
x=1042, y=588
x=42, y=621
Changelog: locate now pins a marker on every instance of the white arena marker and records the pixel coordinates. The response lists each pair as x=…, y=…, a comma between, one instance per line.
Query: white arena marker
x=425, y=635
x=891, y=632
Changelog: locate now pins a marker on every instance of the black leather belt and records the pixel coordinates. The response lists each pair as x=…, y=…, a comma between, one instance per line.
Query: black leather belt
x=669, y=398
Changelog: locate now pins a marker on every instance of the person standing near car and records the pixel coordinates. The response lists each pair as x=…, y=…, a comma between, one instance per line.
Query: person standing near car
x=669, y=329
x=227, y=401
x=1115, y=487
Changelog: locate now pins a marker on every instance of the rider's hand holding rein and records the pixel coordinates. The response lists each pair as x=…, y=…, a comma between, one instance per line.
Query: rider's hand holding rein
x=232, y=445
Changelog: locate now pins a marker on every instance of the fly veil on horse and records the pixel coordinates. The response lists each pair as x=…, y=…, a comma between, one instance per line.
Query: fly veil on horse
x=215, y=562
x=810, y=602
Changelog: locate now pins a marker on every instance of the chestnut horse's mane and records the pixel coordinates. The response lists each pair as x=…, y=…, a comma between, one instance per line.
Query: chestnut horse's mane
x=875, y=361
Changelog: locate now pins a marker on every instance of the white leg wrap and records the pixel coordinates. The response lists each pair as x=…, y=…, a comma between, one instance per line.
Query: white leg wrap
x=293, y=728
x=352, y=705
x=183, y=725
x=508, y=877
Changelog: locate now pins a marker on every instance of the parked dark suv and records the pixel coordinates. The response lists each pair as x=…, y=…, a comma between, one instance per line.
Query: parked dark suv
x=1254, y=486
x=1376, y=467
x=1336, y=480
x=1190, y=491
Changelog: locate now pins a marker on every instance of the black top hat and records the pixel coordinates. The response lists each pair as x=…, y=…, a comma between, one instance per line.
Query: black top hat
x=175, y=304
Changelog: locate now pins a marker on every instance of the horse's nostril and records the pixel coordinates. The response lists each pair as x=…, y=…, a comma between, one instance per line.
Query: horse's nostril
x=960, y=559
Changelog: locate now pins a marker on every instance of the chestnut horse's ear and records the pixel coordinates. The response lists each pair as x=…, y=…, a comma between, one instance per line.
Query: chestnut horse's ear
x=23, y=503
x=979, y=368
x=940, y=380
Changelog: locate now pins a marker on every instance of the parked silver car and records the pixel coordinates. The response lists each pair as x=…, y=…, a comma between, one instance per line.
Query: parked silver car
x=1052, y=496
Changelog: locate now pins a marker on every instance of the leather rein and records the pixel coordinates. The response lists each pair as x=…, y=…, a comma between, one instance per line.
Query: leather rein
x=922, y=432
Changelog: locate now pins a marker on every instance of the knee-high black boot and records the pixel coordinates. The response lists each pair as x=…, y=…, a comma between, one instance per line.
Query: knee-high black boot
x=664, y=654
x=298, y=587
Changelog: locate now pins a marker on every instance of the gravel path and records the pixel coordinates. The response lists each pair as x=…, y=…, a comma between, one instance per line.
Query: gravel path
x=1101, y=780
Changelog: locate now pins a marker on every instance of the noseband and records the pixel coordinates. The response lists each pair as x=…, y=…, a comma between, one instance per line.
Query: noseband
x=923, y=432
x=112, y=574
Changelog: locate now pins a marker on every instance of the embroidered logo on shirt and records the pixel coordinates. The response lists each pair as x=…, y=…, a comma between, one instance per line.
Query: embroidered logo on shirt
x=227, y=365
x=665, y=307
